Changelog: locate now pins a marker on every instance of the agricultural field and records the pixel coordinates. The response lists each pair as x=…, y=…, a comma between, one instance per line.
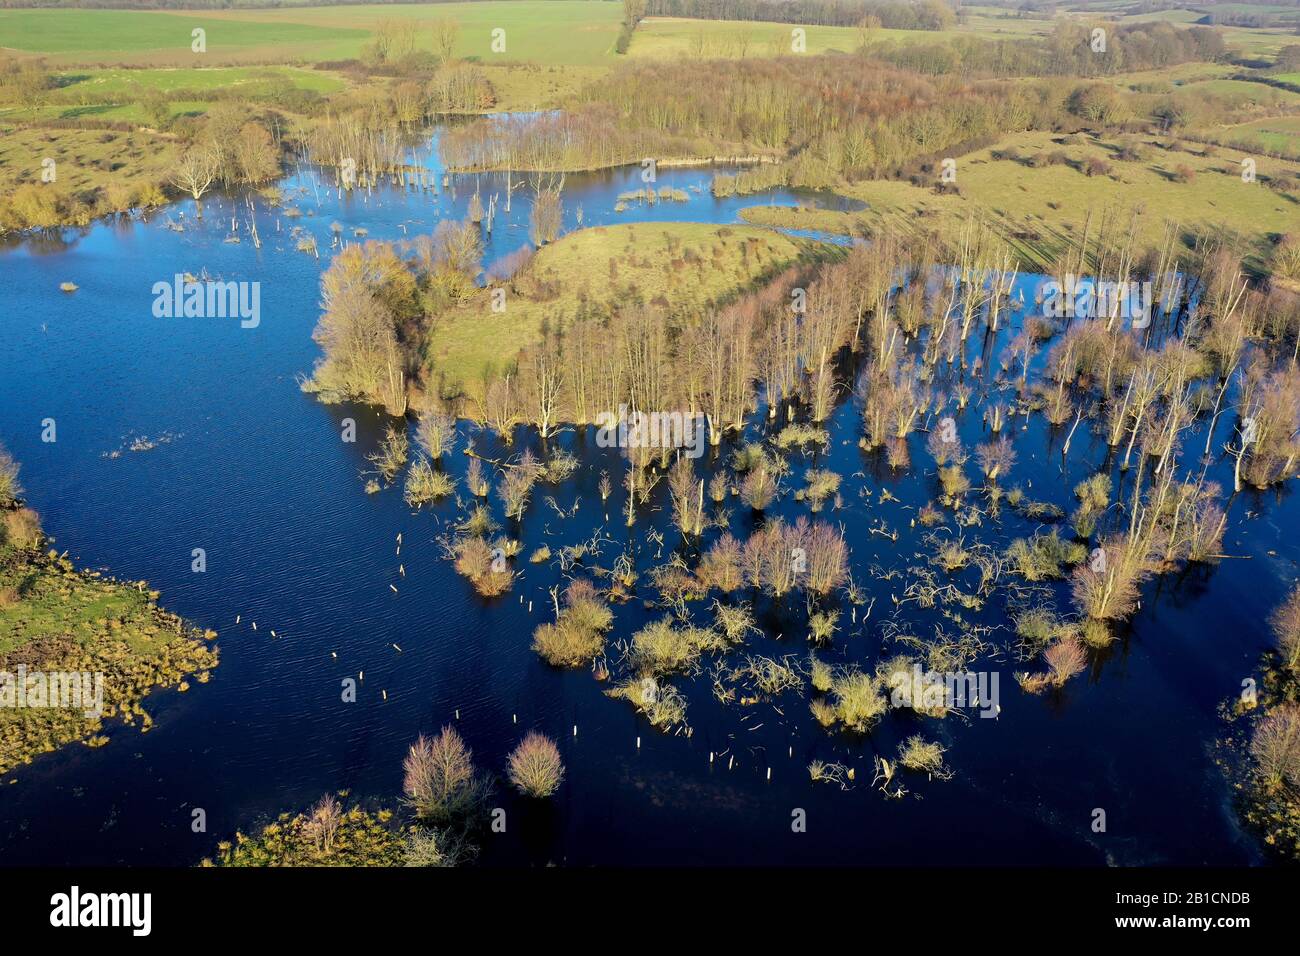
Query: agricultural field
x=568, y=32
x=673, y=38
x=147, y=38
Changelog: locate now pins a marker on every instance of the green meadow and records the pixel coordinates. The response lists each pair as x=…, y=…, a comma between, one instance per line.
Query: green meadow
x=121, y=82
x=568, y=32
x=110, y=34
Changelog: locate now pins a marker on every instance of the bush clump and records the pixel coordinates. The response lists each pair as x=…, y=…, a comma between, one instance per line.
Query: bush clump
x=535, y=766
x=578, y=635
x=441, y=783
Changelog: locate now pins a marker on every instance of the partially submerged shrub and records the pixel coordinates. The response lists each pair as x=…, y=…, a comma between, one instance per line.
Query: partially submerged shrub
x=758, y=488
x=661, y=704
x=660, y=648
x=1094, y=497
x=734, y=621
x=821, y=485
x=485, y=566
x=1106, y=585
x=535, y=766
x=517, y=485
x=578, y=635
x=425, y=485
x=916, y=753
x=390, y=458
x=796, y=434
x=1044, y=556
x=440, y=781
x=1275, y=747
x=1065, y=659
x=820, y=674
x=720, y=567
x=1039, y=627
x=436, y=434
x=821, y=626
x=996, y=458
x=436, y=848
x=857, y=701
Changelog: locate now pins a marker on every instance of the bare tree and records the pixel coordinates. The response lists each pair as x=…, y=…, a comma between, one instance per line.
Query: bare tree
x=548, y=212
x=194, y=173
x=445, y=34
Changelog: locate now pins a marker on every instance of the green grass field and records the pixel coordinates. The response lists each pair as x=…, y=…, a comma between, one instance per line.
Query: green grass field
x=1047, y=205
x=570, y=32
x=110, y=34
x=677, y=38
x=119, y=82
x=1279, y=134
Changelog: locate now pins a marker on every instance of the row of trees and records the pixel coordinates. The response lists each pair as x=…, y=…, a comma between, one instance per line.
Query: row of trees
x=892, y=14
x=788, y=336
x=1072, y=49
x=836, y=116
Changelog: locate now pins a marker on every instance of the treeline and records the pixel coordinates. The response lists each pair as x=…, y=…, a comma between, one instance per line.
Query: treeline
x=829, y=117
x=890, y=14
x=1067, y=52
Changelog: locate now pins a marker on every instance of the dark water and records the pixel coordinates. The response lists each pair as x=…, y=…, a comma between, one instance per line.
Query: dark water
x=255, y=473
